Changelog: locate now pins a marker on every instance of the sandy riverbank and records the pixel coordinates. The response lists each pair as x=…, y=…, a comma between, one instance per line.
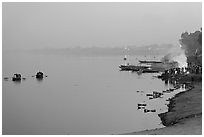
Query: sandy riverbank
x=184, y=116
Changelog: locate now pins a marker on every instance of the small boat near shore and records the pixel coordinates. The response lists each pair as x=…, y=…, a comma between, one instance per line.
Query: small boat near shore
x=148, y=110
x=139, y=69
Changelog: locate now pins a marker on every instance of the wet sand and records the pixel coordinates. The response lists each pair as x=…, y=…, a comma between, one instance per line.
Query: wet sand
x=184, y=116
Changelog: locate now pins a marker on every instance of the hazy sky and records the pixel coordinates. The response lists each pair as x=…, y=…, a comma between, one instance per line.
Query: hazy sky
x=39, y=25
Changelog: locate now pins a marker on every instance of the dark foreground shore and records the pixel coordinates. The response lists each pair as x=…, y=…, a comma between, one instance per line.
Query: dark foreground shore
x=184, y=116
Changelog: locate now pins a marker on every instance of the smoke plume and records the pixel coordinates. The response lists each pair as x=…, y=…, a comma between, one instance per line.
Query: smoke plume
x=176, y=54
x=189, y=51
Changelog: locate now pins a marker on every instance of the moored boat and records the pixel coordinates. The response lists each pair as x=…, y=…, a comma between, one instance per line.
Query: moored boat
x=132, y=67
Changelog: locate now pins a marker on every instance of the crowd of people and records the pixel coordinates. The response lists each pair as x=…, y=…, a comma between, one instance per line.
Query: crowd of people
x=195, y=69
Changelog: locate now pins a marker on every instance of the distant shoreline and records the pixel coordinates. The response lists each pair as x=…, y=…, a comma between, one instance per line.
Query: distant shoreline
x=184, y=116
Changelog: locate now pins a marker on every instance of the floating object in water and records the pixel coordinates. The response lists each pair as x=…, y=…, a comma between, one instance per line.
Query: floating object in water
x=149, y=94
x=150, y=61
x=39, y=75
x=171, y=89
x=6, y=78
x=16, y=77
x=140, y=91
x=147, y=110
x=157, y=93
x=129, y=67
x=153, y=110
x=142, y=104
x=168, y=91
x=141, y=107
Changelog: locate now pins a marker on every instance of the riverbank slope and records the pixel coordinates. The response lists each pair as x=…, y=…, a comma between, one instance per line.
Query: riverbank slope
x=184, y=116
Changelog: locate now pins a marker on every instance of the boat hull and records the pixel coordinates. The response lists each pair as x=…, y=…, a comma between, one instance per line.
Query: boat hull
x=39, y=76
x=145, y=61
x=16, y=79
x=132, y=67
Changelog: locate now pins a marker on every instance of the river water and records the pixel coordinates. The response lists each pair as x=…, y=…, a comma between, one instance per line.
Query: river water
x=81, y=95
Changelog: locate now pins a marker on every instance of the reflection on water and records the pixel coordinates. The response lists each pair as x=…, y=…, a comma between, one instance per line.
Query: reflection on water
x=82, y=95
x=39, y=79
x=17, y=82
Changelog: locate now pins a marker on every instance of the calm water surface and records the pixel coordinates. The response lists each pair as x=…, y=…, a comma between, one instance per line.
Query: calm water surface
x=81, y=95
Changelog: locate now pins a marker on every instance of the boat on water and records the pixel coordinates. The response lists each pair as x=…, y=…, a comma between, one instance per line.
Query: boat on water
x=132, y=67
x=16, y=77
x=39, y=75
x=149, y=61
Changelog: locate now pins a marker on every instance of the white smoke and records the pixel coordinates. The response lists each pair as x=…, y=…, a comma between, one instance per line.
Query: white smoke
x=176, y=54
x=181, y=59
